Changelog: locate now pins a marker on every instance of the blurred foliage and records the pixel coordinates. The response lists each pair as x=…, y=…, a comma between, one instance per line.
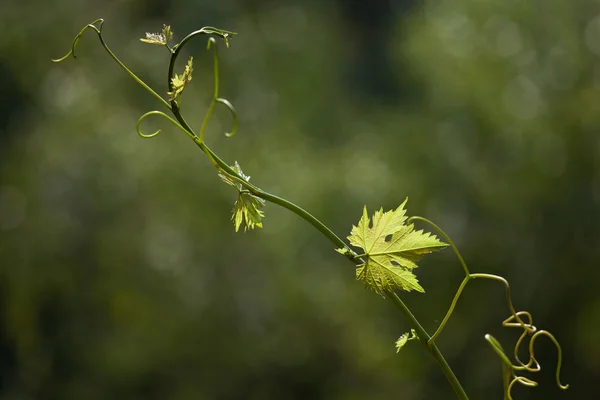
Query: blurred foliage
x=121, y=275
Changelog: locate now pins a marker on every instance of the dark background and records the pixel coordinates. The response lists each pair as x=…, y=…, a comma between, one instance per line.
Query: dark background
x=121, y=276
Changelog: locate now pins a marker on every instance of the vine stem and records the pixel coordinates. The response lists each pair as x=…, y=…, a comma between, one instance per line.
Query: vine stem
x=321, y=227
x=199, y=140
x=428, y=341
x=181, y=123
x=432, y=347
x=258, y=192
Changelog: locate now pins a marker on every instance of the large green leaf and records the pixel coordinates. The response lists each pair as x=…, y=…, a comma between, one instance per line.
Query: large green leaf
x=391, y=249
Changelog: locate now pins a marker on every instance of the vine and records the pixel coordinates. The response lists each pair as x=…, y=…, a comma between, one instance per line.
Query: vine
x=510, y=377
x=390, y=244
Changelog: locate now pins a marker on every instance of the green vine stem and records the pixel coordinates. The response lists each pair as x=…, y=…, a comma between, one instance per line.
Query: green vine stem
x=223, y=167
x=184, y=126
x=218, y=162
x=173, y=105
x=433, y=349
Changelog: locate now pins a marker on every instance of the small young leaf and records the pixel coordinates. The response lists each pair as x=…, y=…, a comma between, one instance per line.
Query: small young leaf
x=228, y=180
x=159, y=38
x=247, y=207
x=180, y=81
x=404, y=338
x=345, y=252
x=391, y=249
x=167, y=33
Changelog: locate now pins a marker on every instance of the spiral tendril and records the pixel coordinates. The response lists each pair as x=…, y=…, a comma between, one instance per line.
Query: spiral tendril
x=532, y=365
x=520, y=319
x=161, y=114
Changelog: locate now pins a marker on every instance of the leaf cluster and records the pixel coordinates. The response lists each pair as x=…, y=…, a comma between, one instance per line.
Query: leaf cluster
x=247, y=207
x=161, y=38
x=180, y=81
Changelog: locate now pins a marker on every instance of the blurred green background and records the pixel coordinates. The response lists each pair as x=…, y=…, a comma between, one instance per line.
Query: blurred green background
x=121, y=276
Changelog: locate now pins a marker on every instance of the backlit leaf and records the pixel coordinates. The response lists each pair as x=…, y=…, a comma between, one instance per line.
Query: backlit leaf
x=404, y=338
x=159, y=38
x=247, y=208
x=391, y=249
x=180, y=81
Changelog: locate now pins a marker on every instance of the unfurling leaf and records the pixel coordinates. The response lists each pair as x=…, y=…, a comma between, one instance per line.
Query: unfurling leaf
x=247, y=207
x=391, y=249
x=159, y=38
x=404, y=338
x=180, y=81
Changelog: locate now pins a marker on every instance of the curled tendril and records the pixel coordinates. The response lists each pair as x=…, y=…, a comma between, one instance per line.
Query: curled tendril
x=161, y=114
x=523, y=381
x=520, y=319
x=529, y=329
x=514, y=314
x=71, y=52
x=559, y=350
x=531, y=366
x=212, y=43
x=233, y=115
x=516, y=320
x=98, y=30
